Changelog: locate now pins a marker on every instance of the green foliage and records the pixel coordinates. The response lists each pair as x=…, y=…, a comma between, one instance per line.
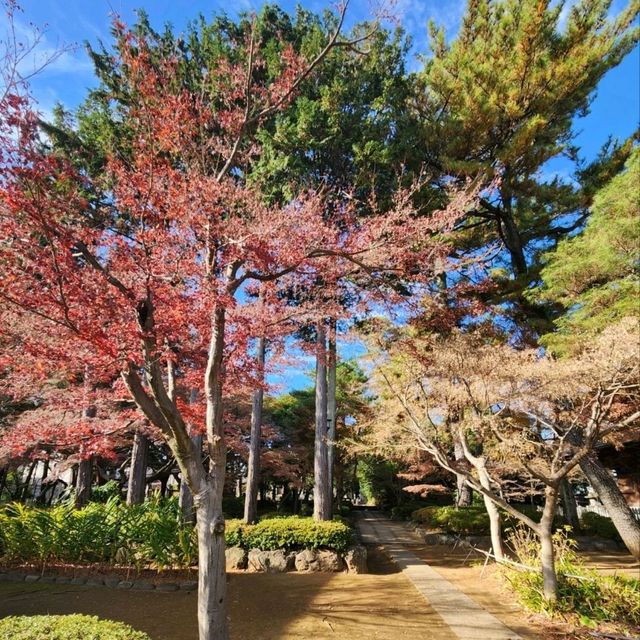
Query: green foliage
x=71, y=627
x=146, y=534
x=594, y=524
x=150, y=534
x=378, y=481
x=596, y=275
x=289, y=532
x=462, y=520
x=405, y=510
x=103, y=492
x=594, y=598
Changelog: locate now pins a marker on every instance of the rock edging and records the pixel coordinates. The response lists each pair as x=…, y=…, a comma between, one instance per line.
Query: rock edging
x=354, y=560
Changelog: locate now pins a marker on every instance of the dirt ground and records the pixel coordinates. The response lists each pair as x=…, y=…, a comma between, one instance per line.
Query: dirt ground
x=381, y=606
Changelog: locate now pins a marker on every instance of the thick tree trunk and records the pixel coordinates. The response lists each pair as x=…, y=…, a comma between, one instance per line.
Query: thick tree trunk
x=253, y=464
x=494, y=515
x=508, y=231
x=83, y=482
x=547, y=556
x=615, y=504
x=332, y=362
x=569, y=507
x=321, y=496
x=138, y=473
x=212, y=579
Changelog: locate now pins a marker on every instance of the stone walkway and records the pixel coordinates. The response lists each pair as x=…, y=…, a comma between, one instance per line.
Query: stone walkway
x=465, y=617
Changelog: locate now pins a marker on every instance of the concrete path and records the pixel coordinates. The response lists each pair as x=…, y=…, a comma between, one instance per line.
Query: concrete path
x=465, y=617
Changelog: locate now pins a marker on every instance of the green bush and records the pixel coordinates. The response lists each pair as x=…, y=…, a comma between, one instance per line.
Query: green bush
x=73, y=627
x=596, y=525
x=463, y=520
x=297, y=533
x=150, y=534
x=146, y=534
x=103, y=492
x=592, y=597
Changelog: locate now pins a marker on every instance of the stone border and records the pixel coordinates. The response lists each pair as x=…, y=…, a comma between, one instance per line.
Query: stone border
x=110, y=583
x=354, y=560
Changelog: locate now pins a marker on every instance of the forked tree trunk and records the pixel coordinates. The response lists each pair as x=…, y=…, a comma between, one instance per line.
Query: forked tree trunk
x=332, y=362
x=615, y=504
x=83, y=482
x=253, y=464
x=138, y=472
x=547, y=555
x=569, y=507
x=321, y=496
x=495, y=524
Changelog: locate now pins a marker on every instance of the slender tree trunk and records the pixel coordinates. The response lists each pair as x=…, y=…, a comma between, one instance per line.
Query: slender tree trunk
x=613, y=500
x=83, y=482
x=138, y=472
x=569, y=506
x=464, y=496
x=253, y=464
x=185, y=498
x=27, y=482
x=494, y=515
x=547, y=556
x=332, y=362
x=212, y=582
x=321, y=497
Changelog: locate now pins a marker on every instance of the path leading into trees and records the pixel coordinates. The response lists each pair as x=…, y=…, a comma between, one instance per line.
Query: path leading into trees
x=466, y=619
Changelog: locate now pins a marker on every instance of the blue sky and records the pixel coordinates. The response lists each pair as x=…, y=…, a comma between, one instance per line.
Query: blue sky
x=615, y=110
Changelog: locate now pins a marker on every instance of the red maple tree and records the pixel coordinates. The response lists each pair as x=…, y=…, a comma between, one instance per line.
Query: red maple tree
x=153, y=287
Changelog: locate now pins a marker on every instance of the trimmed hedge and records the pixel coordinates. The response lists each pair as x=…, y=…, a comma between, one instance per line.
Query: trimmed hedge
x=72, y=627
x=464, y=520
x=469, y=521
x=292, y=532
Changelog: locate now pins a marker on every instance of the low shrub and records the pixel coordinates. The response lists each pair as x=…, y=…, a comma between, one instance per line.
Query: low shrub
x=150, y=534
x=463, y=520
x=590, y=596
x=295, y=532
x=593, y=524
x=72, y=627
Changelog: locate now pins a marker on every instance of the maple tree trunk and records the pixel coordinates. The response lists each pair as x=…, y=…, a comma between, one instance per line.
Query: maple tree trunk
x=253, y=464
x=321, y=497
x=83, y=482
x=614, y=502
x=185, y=497
x=494, y=514
x=212, y=582
x=332, y=362
x=212, y=579
x=569, y=506
x=138, y=472
x=547, y=555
